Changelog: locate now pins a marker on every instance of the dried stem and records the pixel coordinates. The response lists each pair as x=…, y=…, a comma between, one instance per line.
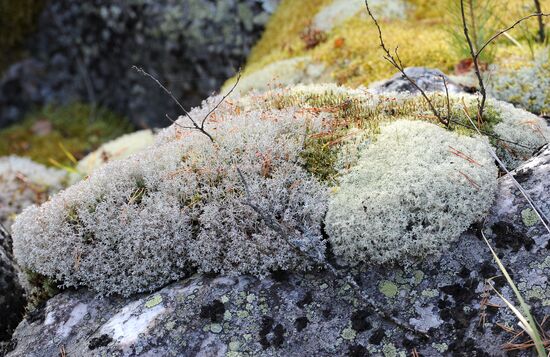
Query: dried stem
x=474, y=55
x=448, y=100
x=318, y=258
x=396, y=62
x=540, y=15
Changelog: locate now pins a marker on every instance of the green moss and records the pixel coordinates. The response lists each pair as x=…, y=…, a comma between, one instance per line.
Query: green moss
x=42, y=289
x=18, y=19
x=77, y=127
x=357, y=114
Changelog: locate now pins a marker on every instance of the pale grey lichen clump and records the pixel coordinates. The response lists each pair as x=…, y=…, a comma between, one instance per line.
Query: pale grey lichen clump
x=518, y=126
x=413, y=191
x=138, y=223
x=24, y=182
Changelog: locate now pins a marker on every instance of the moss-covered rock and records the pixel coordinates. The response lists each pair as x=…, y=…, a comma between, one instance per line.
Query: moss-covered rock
x=524, y=83
x=182, y=205
x=316, y=314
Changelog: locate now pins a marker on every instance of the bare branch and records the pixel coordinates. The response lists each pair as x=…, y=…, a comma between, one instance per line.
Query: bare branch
x=448, y=100
x=223, y=99
x=540, y=15
x=396, y=62
x=195, y=125
x=474, y=56
x=496, y=137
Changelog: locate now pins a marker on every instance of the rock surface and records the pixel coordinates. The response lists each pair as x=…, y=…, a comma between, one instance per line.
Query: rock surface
x=12, y=301
x=85, y=51
x=429, y=80
x=315, y=314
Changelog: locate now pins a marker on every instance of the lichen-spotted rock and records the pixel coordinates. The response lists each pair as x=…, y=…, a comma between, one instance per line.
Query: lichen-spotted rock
x=315, y=314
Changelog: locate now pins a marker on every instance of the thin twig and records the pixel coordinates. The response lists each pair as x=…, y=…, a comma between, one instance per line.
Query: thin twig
x=496, y=137
x=447, y=98
x=224, y=97
x=538, y=211
x=474, y=55
x=501, y=32
x=396, y=62
x=319, y=259
x=195, y=125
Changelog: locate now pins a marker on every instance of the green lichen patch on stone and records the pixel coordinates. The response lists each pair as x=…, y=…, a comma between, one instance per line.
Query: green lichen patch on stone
x=154, y=301
x=389, y=289
x=529, y=217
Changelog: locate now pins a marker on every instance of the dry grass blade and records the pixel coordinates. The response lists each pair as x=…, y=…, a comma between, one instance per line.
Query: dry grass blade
x=527, y=322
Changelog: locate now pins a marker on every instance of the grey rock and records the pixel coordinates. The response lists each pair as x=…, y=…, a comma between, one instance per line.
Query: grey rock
x=12, y=295
x=85, y=51
x=288, y=314
x=429, y=80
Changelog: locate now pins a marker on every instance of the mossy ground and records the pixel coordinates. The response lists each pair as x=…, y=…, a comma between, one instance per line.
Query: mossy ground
x=352, y=49
x=79, y=128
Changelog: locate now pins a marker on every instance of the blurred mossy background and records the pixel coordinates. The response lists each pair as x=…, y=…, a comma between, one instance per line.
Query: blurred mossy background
x=424, y=36
x=45, y=134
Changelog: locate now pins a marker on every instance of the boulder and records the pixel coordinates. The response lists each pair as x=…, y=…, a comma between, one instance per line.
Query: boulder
x=428, y=79
x=85, y=52
x=12, y=300
x=446, y=302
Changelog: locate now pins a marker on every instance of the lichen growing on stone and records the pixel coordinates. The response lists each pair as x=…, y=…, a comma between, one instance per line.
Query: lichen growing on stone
x=413, y=191
x=138, y=223
x=180, y=205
